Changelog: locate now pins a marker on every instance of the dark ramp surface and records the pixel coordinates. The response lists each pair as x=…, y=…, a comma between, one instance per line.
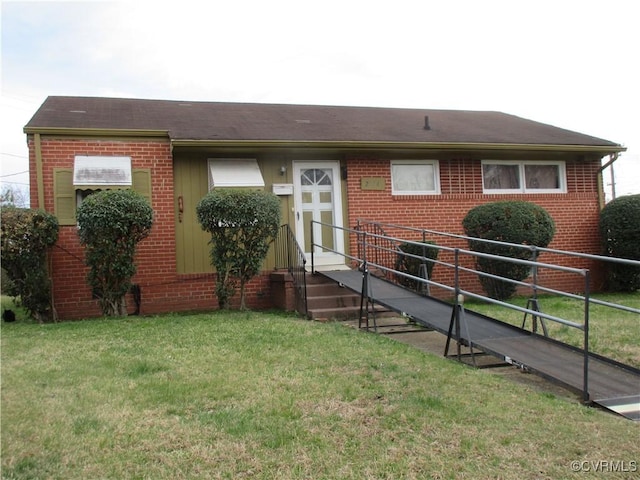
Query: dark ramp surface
x=610, y=384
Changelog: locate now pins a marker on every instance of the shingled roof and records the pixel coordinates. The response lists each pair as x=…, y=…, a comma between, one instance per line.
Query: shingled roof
x=218, y=122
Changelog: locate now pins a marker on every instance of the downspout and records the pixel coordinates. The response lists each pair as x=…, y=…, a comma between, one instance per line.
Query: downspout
x=601, y=200
x=39, y=175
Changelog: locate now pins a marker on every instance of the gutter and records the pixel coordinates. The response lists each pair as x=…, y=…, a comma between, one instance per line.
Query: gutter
x=96, y=132
x=342, y=144
x=377, y=145
x=601, y=200
x=612, y=150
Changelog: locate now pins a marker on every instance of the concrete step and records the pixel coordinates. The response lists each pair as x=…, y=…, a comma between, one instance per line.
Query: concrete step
x=333, y=301
x=333, y=313
x=328, y=300
x=328, y=289
x=342, y=313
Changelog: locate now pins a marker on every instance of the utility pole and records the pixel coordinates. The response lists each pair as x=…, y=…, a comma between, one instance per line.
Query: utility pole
x=613, y=184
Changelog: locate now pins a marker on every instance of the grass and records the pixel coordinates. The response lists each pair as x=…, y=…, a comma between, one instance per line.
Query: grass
x=613, y=333
x=267, y=395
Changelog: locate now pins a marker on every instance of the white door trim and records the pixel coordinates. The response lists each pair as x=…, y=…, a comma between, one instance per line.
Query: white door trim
x=320, y=257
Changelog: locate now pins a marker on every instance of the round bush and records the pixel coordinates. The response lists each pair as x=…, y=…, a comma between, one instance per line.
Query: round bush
x=408, y=262
x=620, y=234
x=27, y=234
x=111, y=224
x=517, y=222
x=242, y=224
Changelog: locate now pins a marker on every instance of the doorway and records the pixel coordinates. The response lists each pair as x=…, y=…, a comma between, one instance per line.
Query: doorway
x=318, y=197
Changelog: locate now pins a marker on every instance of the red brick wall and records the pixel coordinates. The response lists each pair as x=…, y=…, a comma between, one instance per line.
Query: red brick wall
x=162, y=289
x=575, y=213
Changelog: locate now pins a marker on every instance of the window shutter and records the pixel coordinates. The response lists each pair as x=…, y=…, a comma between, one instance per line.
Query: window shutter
x=64, y=202
x=142, y=182
x=64, y=196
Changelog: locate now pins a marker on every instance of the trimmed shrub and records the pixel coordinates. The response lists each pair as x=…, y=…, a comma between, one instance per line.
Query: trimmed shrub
x=111, y=224
x=6, y=284
x=518, y=222
x=27, y=234
x=406, y=262
x=242, y=224
x=620, y=234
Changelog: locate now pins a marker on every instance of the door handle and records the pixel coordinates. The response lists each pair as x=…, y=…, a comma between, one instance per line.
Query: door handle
x=297, y=215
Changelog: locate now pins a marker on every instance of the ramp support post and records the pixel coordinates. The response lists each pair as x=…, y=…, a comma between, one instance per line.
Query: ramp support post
x=457, y=314
x=532, y=304
x=454, y=325
x=367, y=307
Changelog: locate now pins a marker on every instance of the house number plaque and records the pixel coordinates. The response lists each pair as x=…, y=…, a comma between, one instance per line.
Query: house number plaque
x=372, y=183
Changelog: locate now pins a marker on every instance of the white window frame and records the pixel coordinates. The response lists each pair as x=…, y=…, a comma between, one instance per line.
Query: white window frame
x=562, y=173
x=234, y=172
x=397, y=164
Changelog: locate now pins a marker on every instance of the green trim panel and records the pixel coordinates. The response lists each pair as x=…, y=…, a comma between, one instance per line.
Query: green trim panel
x=192, y=243
x=141, y=179
x=64, y=196
x=64, y=192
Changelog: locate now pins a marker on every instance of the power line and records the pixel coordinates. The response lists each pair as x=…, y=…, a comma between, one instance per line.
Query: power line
x=15, y=183
x=13, y=174
x=13, y=155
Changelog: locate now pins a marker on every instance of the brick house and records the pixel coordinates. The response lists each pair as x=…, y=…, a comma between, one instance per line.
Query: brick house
x=421, y=168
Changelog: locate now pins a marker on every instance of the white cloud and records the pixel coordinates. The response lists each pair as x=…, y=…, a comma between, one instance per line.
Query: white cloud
x=572, y=63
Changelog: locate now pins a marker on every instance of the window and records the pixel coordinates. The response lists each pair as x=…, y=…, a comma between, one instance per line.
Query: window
x=68, y=194
x=504, y=176
x=99, y=171
x=92, y=174
x=415, y=177
x=234, y=172
x=82, y=194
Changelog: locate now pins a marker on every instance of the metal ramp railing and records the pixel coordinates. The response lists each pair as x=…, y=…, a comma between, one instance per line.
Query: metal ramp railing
x=289, y=256
x=457, y=265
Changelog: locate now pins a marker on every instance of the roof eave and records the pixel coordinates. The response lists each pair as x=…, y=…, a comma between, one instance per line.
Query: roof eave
x=96, y=132
x=321, y=144
x=375, y=145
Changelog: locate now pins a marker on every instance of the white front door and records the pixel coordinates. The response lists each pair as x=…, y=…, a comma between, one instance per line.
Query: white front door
x=318, y=197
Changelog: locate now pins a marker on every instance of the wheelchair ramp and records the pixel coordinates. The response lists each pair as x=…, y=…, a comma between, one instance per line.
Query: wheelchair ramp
x=610, y=384
x=628, y=406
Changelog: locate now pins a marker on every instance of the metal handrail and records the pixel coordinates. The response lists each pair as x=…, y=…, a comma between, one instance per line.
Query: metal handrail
x=372, y=246
x=290, y=256
x=425, y=231
x=535, y=250
x=386, y=249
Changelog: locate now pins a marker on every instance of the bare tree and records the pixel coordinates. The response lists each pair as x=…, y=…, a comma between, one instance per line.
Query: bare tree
x=13, y=196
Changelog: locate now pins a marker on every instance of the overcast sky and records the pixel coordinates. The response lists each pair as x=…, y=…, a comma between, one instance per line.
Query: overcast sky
x=569, y=63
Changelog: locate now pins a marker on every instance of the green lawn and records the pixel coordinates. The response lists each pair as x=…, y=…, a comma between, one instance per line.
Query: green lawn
x=267, y=395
